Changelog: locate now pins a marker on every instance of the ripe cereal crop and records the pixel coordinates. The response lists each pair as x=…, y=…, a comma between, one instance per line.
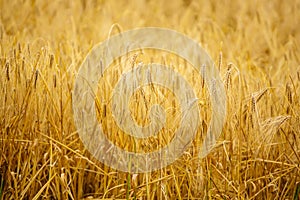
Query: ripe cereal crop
x=255, y=47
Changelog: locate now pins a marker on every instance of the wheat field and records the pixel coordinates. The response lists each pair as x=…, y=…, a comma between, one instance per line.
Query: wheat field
x=255, y=46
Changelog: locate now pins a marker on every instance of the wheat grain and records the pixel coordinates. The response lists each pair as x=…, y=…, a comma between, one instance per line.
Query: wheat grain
x=7, y=71
x=41, y=154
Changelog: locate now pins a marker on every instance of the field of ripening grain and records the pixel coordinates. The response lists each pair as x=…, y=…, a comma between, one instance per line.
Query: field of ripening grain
x=255, y=45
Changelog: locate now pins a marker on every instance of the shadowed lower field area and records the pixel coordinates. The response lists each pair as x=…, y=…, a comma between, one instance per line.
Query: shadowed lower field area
x=255, y=46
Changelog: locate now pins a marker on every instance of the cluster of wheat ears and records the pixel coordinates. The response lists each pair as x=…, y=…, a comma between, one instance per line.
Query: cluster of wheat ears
x=255, y=46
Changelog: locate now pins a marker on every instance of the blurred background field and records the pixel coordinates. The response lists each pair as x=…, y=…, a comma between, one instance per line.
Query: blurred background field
x=254, y=44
